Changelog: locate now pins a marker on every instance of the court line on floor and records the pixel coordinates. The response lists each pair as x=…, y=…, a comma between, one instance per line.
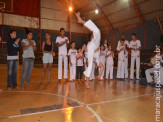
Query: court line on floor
x=22, y=115
x=82, y=104
x=111, y=120
x=127, y=98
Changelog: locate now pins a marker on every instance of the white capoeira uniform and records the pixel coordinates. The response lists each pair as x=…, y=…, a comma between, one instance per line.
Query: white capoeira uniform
x=96, y=60
x=92, y=46
x=62, y=56
x=150, y=71
x=121, y=62
x=102, y=60
x=85, y=61
x=126, y=42
x=73, y=54
x=92, y=76
x=135, y=55
x=109, y=65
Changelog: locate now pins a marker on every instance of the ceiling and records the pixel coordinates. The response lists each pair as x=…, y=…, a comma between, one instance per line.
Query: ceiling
x=118, y=13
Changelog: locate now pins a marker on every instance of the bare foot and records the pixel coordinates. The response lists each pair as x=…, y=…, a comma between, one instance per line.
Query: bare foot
x=79, y=18
x=87, y=86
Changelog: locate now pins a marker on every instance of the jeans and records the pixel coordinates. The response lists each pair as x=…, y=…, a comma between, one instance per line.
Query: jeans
x=79, y=71
x=12, y=73
x=27, y=69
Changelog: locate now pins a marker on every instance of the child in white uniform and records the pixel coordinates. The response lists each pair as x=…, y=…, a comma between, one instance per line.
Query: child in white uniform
x=109, y=62
x=62, y=43
x=126, y=43
x=72, y=53
x=102, y=59
x=92, y=46
x=79, y=67
x=121, y=58
x=135, y=46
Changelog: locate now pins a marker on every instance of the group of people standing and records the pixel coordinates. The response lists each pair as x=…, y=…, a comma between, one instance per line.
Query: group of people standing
x=88, y=56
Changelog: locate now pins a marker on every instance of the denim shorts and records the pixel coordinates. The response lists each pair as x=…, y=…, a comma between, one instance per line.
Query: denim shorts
x=47, y=58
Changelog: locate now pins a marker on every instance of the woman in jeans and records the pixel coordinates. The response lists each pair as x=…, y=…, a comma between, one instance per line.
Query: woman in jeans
x=12, y=59
x=28, y=46
x=47, y=49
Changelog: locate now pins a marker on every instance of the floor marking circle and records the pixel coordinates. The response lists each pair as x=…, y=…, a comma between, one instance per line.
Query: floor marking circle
x=37, y=92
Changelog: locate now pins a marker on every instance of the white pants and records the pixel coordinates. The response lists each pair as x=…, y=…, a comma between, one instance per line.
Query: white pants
x=61, y=59
x=92, y=45
x=109, y=69
x=102, y=76
x=126, y=67
x=133, y=58
x=92, y=76
x=120, y=70
x=72, y=72
x=150, y=71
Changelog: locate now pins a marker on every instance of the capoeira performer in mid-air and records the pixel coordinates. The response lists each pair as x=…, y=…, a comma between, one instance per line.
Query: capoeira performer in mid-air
x=92, y=47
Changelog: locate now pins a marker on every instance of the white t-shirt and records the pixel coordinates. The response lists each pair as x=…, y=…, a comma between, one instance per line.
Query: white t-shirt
x=63, y=48
x=135, y=45
x=126, y=42
x=80, y=61
x=73, y=54
x=109, y=59
x=102, y=55
x=121, y=54
x=28, y=53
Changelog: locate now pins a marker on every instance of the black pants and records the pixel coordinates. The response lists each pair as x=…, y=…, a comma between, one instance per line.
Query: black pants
x=79, y=71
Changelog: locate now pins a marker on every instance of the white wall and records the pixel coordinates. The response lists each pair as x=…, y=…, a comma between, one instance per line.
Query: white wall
x=53, y=14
